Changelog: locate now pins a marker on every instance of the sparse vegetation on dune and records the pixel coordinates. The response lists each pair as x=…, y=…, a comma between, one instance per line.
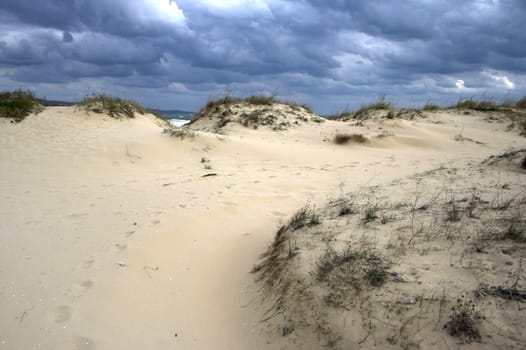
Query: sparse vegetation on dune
x=364, y=111
x=521, y=104
x=257, y=100
x=508, y=105
x=463, y=321
x=397, y=277
x=115, y=107
x=182, y=132
x=380, y=104
x=252, y=112
x=429, y=106
x=483, y=104
x=352, y=265
x=489, y=105
x=18, y=104
x=478, y=105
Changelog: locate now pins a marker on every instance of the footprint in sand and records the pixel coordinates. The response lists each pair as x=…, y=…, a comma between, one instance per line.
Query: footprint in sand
x=75, y=215
x=85, y=284
x=120, y=247
x=59, y=314
x=128, y=234
x=76, y=343
x=155, y=222
x=278, y=213
x=87, y=264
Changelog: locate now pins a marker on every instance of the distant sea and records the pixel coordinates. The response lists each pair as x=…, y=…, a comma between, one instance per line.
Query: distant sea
x=178, y=122
x=176, y=118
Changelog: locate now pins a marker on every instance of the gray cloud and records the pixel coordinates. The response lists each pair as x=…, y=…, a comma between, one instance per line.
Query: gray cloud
x=328, y=53
x=67, y=37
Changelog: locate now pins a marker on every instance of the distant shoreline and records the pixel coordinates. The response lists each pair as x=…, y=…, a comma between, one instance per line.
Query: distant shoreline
x=167, y=114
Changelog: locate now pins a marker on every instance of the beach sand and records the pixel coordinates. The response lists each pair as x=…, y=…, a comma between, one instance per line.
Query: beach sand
x=115, y=235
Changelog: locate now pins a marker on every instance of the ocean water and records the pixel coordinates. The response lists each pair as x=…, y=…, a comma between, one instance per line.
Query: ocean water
x=178, y=122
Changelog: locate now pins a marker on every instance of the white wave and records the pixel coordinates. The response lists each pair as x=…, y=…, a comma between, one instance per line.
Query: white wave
x=178, y=122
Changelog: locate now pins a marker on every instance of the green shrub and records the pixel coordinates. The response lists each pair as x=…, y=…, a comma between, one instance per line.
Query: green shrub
x=18, y=104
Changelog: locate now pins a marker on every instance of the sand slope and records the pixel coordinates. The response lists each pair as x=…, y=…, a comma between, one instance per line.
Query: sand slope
x=111, y=237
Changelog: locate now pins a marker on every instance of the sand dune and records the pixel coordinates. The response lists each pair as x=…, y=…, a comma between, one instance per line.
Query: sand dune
x=112, y=236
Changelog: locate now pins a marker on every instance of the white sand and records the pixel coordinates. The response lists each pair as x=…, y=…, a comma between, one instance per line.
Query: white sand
x=110, y=238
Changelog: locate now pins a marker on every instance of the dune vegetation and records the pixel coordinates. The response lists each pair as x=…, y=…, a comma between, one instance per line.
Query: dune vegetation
x=18, y=104
x=115, y=107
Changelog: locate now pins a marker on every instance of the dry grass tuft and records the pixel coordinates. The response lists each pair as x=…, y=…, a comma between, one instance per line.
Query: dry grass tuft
x=477, y=105
x=463, y=321
x=182, y=132
x=115, y=107
x=342, y=139
x=430, y=106
x=521, y=104
x=378, y=105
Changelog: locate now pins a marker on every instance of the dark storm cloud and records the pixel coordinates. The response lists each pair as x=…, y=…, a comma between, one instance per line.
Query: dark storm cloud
x=67, y=37
x=311, y=48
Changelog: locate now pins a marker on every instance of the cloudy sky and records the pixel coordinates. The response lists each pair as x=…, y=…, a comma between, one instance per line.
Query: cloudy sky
x=327, y=53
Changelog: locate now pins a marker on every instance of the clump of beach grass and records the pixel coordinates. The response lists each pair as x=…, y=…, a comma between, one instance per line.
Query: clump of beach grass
x=351, y=269
x=115, y=107
x=306, y=216
x=430, y=106
x=370, y=214
x=489, y=105
x=463, y=321
x=342, y=139
x=478, y=105
x=521, y=104
x=18, y=104
x=181, y=132
x=380, y=104
x=363, y=111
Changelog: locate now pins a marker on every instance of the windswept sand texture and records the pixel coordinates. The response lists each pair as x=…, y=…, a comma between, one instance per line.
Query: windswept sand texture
x=115, y=235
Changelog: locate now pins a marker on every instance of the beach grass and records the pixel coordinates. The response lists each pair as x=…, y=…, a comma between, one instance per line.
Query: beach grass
x=380, y=104
x=214, y=104
x=18, y=104
x=364, y=110
x=115, y=107
x=342, y=139
x=430, y=106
